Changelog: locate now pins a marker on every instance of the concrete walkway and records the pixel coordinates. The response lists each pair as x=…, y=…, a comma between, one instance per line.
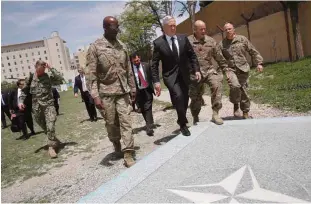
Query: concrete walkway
x=259, y=160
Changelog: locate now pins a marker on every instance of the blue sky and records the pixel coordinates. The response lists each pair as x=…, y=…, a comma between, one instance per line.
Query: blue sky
x=78, y=23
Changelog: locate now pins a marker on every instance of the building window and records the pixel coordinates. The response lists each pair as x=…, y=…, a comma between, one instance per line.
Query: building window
x=20, y=56
x=13, y=56
x=26, y=55
x=76, y=57
x=38, y=53
x=60, y=62
x=2, y=65
x=44, y=51
x=11, y=76
x=16, y=69
x=3, y=71
x=17, y=75
x=27, y=61
x=57, y=50
x=32, y=54
x=9, y=64
x=56, y=44
x=33, y=60
x=28, y=67
x=46, y=58
x=7, y=58
x=22, y=62
x=15, y=63
x=58, y=56
x=5, y=77
x=10, y=70
x=22, y=68
x=24, y=74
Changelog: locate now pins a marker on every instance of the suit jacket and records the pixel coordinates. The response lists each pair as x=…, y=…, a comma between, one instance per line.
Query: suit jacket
x=5, y=97
x=78, y=85
x=13, y=99
x=147, y=73
x=171, y=66
x=55, y=95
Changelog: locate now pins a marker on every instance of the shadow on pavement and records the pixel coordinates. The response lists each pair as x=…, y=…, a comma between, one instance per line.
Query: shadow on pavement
x=61, y=146
x=114, y=156
x=167, y=138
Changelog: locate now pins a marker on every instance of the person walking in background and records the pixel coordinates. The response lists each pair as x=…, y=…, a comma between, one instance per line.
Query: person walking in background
x=23, y=117
x=5, y=108
x=144, y=93
x=56, y=97
x=80, y=84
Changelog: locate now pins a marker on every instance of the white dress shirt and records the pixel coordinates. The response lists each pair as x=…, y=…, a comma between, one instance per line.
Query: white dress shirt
x=136, y=68
x=2, y=101
x=169, y=40
x=83, y=83
x=19, y=91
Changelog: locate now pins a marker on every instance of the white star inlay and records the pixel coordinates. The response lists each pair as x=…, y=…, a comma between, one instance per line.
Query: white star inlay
x=230, y=184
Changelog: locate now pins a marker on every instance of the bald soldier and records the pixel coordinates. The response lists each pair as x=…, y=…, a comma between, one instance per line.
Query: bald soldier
x=111, y=82
x=206, y=49
x=234, y=48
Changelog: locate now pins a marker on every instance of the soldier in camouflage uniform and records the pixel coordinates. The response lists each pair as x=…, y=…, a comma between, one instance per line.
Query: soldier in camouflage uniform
x=206, y=50
x=40, y=87
x=234, y=48
x=111, y=81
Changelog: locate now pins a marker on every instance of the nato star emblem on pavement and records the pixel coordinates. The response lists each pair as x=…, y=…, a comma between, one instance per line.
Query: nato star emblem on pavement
x=230, y=184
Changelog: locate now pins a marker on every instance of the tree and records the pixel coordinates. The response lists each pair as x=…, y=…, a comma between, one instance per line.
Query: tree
x=138, y=26
x=293, y=7
x=188, y=7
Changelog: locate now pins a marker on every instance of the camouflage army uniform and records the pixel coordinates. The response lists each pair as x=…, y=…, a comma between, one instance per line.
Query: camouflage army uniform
x=237, y=74
x=206, y=50
x=109, y=76
x=43, y=102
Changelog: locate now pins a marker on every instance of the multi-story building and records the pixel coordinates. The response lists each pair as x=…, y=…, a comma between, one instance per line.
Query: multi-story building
x=17, y=60
x=79, y=57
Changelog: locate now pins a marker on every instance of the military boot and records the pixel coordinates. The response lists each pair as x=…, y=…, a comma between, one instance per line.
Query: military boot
x=195, y=120
x=52, y=152
x=246, y=115
x=236, y=111
x=216, y=119
x=128, y=158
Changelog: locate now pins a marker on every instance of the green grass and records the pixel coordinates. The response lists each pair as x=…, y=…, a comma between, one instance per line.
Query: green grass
x=283, y=85
x=18, y=158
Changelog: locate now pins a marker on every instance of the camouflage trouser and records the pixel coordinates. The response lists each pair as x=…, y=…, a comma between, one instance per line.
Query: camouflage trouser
x=237, y=81
x=196, y=91
x=118, y=120
x=45, y=116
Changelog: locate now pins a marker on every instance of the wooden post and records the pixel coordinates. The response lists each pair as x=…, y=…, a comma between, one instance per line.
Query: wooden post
x=247, y=24
x=285, y=8
x=222, y=31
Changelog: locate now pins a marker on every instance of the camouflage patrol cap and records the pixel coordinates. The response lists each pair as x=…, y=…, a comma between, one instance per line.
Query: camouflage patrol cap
x=40, y=63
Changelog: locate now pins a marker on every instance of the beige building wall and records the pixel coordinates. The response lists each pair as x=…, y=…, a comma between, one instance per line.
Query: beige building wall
x=79, y=57
x=305, y=26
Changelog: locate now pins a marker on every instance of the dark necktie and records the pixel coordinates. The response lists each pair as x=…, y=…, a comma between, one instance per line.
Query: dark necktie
x=175, y=52
x=142, y=81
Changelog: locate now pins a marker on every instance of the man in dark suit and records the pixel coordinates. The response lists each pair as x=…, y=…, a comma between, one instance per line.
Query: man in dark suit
x=5, y=107
x=178, y=60
x=144, y=87
x=56, y=99
x=23, y=117
x=88, y=100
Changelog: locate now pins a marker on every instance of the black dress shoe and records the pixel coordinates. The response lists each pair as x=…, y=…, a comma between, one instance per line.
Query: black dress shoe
x=185, y=131
x=149, y=131
x=91, y=119
x=95, y=119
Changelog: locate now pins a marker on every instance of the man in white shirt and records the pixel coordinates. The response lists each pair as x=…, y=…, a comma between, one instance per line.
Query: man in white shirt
x=80, y=84
x=144, y=93
x=21, y=117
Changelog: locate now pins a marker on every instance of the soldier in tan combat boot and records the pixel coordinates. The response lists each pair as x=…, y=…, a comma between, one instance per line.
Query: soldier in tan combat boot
x=39, y=86
x=206, y=50
x=110, y=79
x=234, y=48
